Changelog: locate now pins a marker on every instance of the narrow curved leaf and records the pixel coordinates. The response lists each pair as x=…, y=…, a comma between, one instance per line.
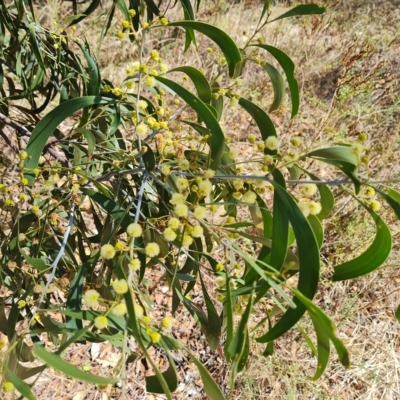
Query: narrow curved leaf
x=302, y=9
x=392, y=197
x=217, y=140
x=56, y=362
x=211, y=388
x=153, y=385
x=223, y=41
x=19, y=384
x=288, y=66
x=261, y=118
x=342, y=157
x=199, y=81
x=309, y=265
x=45, y=128
x=372, y=258
x=325, y=329
x=278, y=85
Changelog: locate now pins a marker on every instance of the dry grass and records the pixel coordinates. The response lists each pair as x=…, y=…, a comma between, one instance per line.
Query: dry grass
x=325, y=51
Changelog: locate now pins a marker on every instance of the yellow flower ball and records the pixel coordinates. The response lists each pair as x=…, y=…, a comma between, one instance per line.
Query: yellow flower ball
x=138, y=311
x=169, y=234
x=375, y=205
x=134, y=264
x=167, y=322
x=152, y=249
x=177, y=198
x=309, y=189
x=197, y=231
x=174, y=224
x=149, y=81
x=249, y=197
x=304, y=208
x=181, y=210
x=181, y=183
x=107, y=251
x=119, y=310
x=21, y=304
x=120, y=286
x=134, y=230
x=314, y=207
x=8, y=387
x=272, y=143
x=200, y=212
x=101, y=322
x=155, y=337
x=91, y=298
x=187, y=240
x=119, y=246
x=205, y=188
x=142, y=130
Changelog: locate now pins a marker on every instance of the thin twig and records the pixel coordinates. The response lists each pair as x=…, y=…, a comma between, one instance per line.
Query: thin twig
x=58, y=258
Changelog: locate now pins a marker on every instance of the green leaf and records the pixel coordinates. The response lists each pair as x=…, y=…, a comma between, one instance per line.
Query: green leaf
x=303, y=9
x=56, y=362
x=153, y=384
x=308, y=253
x=223, y=41
x=35, y=46
x=46, y=126
x=278, y=85
x=342, y=157
x=199, y=80
x=211, y=388
x=325, y=330
x=92, y=7
x=217, y=140
x=316, y=226
x=261, y=118
x=397, y=314
x=37, y=263
x=392, y=197
x=288, y=66
x=372, y=258
x=93, y=87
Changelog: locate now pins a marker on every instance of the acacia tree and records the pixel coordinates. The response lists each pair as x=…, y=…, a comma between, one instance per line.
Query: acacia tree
x=134, y=182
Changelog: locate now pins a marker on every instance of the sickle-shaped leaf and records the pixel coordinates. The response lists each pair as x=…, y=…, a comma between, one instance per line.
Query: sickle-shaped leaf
x=56, y=362
x=170, y=375
x=223, y=41
x=288, y=66
x=303, y=9
x=45, y=128
x=211, y=388
x=325, y=330
x=261, y=118
x=217, y=140
x=278, y=84
x=372, y=258
x=392, y=197
x=308, y=253
x=342, y=157
x=199, y=81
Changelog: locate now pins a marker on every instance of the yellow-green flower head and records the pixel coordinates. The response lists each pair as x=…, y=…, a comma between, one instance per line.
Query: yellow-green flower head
x=249, y=197
x=174, y=224
x=7, y=387
x=134, y=264
x=233, y=153
x=369, y=192
x=107, y=88
x=142, y=130
x=169, y=234
x=155, y=337
x=209, y=174
x=165, y=169
x=205, y=188
x=138, y=310
x=314, y=207
x=375, y=205
x=304, y=208
x=309, y=189
x=120, y=34
x=119, y=310
x=167, y=322
x=126, y=24
x=91, y=298
x=101, y=322
x=120, y=286
x=164, y=21
x=238, y=184
x=272, y=143
x=181, y=210
x=163, y=68
x=107, y=251
x=117, y=91
x=200, y=212
x=143, y=104
x=22, y=304
x=220, y=281
x=132, y=13
x=120, y=246
x=177, y=198
x=197, y=231
x=362, y=137
x=295, y=141
x=219, y=267
x=134, y=230
x=181, y=183
x=152, y=249
x=154, y=55
x=184, y=164
x=149, y=81
x=357, y=148
x=23, y=155
x=3, y=343
x=187, y=240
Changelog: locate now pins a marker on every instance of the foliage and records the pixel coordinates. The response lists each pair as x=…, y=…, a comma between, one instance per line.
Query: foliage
x=112, y=182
